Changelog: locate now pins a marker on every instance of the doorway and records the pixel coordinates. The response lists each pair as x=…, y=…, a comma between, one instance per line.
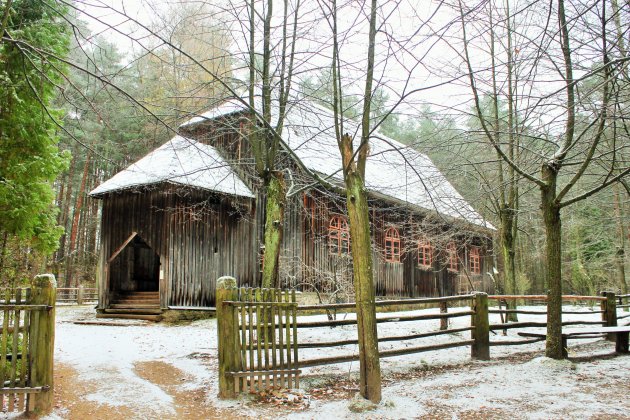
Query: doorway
x=135, y=267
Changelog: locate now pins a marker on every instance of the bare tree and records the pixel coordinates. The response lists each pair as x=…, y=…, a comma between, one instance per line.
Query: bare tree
x=569, y=122
x=265, y=141
x=354, y=160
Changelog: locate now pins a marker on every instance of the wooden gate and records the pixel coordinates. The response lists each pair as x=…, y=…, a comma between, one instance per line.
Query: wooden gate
x=257, y=340
x=26, y=349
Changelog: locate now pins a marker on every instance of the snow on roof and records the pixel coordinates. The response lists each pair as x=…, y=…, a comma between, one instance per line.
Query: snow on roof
x=180, y=161
x=393, y=169
x=226, y=108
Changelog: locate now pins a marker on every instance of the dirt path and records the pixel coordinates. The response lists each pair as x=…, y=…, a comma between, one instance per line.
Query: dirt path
x=70, y=399
x=135, y=370
x=71, y=392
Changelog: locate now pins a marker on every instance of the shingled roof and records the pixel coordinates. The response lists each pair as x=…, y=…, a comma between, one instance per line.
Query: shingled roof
x=180, y=161
x=393, y=169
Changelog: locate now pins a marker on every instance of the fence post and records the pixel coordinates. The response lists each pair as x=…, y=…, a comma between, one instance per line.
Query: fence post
x=42, y=344
x=443, y=310
x=80, y=295
x=481, y=328
x=227, y=335
x=609, y=306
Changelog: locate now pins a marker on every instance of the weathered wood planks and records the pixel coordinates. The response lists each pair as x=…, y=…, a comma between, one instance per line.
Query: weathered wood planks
x=26, y=347
x=263, y=323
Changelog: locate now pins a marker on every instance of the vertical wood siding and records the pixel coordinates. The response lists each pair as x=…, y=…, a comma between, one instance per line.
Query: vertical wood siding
x=198, y=236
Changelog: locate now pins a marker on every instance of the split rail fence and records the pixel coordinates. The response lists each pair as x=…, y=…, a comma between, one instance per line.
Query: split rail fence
x=77, y=295
x=27, y=317
x=603, y=313
x=624, y=302
x=259, y=329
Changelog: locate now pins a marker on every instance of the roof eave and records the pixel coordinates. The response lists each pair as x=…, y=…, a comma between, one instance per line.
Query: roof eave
x=138, y=187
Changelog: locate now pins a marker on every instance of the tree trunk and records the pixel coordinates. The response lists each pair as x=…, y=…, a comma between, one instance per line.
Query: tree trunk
x=274, y=227
x=3, y=255
x=620, y=253
x=55, y=258
x=370, y=369
x=509, y=258
x=553, y=230
x=75, y=221
x=64, y=214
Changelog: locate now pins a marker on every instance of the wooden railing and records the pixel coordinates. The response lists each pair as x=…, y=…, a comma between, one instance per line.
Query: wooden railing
x=77, y=295
x=475, y=301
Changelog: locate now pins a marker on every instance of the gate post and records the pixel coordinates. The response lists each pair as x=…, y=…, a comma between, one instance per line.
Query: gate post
x=481, y=328
x=227, y=331
x=42, y=345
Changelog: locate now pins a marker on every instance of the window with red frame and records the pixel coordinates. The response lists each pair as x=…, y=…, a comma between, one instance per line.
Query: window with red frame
x=451, y=256
x=338, y=235
x=392, y=245
x=475, y=260
x=425, y=253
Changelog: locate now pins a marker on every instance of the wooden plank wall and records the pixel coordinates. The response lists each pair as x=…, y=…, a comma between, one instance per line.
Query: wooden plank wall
x=199, y=237
x=306, y=255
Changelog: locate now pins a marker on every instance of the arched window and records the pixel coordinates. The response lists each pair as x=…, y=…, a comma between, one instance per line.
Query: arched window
x=451, y=256
x=475, y=260
x=338, y=235
x=392, y=245
x=425, y=253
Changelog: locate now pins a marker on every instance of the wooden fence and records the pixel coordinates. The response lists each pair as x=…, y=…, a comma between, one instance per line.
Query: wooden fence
x=77, y=295
x=248, y=347
x=27, y=317
x=477, y=302
x=605, y=307
x=258, y=334
x=624, y=302
x=262, y=327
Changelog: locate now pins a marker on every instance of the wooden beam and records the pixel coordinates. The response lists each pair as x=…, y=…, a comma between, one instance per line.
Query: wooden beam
x=121, y=247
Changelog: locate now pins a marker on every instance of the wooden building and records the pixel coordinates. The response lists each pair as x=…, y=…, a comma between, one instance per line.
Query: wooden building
x=192, y=211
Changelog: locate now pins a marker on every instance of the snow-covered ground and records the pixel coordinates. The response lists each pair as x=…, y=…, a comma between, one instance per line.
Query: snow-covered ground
x=143, y=370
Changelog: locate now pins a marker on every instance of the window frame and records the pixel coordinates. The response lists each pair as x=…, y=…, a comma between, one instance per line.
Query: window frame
x=452, y=263
x=474, y=260
x=338, y=235
x=392, y=244
x=424, y=247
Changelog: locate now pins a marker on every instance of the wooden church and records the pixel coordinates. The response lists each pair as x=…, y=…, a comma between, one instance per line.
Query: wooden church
x=191, y=211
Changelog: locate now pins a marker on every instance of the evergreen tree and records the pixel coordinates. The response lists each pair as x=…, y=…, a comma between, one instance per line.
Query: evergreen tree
x=33, y=35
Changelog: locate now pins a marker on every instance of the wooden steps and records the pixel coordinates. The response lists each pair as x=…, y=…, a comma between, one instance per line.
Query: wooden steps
x=146, y=317
x=148, y=311
x=134, y=305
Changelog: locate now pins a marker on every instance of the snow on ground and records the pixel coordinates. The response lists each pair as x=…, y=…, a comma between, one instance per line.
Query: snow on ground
x=146, y=370
x=107, y=356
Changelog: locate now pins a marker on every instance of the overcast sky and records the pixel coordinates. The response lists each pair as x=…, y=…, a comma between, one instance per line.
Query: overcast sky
x=409, y=63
